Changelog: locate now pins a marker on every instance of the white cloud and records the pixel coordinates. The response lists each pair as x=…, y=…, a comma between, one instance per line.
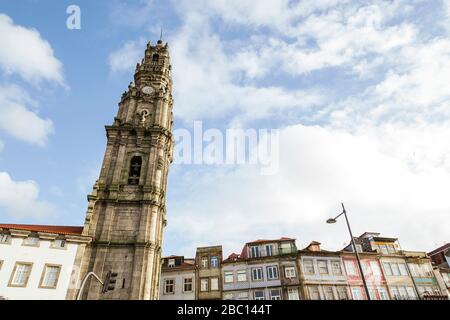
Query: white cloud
x=20, y=199
x=25, y=52
x=18, y=120
x=126, y=57
x=319, y=168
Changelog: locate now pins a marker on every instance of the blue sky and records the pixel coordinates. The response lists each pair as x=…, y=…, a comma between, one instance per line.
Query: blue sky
x=359, y=90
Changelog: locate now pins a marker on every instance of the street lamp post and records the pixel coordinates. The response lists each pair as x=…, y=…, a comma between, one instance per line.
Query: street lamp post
x=333, y=220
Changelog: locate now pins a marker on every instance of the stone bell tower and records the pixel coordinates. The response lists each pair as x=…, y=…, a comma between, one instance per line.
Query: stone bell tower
x=126, y=212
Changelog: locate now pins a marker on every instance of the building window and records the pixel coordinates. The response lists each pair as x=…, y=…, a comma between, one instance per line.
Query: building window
x=228, y=296
x=254, y=252
x=32, y=241
x=59, y=244
x=403, y=270
x=203, y=285
x=293, y=294
x=403, y=293
x=257, y=274
x=289, y=272
x=395, y=269
x=135, y=170
x=336, y=267
x=50, y=276
x=392, y=248
x=272, y=272
x=383, y=294
x=205, y=262
x=411, y=293
x=376, y=247
x=228, y=276
x=259, y=295
x=275, y=294
x=269, y=250
x=395, y=293
x=323, y=266
x=171, y=263
x=387, y=269
x=314, y=293
x=384, y=249
x=375, y=268
x=356, y=293
x=20, y=274
x=308, y=266
x=5, y=238
x=328, y=291
x=359, y=248
x=187, y=286
x=155, y=57
x=169, y=286
x=243, y=295
x=214, y=262
x=342, y=293
x=350, y=268
x=241, y=275
x=214, y=284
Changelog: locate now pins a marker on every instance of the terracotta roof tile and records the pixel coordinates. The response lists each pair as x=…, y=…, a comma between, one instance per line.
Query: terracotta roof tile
x=66, y=230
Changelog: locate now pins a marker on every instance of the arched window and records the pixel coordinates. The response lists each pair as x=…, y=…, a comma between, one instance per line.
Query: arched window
x=155, y=57
x=135, y=170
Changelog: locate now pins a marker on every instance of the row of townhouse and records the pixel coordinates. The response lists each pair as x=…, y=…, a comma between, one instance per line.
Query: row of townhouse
x=277, y=270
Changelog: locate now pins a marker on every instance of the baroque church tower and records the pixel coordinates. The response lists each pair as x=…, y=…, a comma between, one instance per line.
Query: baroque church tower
x=126, y=212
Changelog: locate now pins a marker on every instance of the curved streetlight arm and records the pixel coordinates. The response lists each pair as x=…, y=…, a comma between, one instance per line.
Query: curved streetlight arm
x=344, y=212
x=84, y=282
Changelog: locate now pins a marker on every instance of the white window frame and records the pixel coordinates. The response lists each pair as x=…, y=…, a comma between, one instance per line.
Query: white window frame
x=350, y=271
x=275, y=296
x=306, y=265
x=214, y=284
x=14, y=274
x=43, y=282
x=327, y=270
x=289, y=272
x=214, y=262
x=336, y=263
x=204, y=285
x=255, y=252
x=204, y=262
x=272, y=272
x=255, y=272
x=169, y=285
x=293, y=294
x=239, y=275
x=191, y=283
x=228, y=276
x=403, y=269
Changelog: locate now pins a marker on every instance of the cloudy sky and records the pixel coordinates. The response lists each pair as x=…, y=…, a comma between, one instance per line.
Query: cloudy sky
x=358, y=89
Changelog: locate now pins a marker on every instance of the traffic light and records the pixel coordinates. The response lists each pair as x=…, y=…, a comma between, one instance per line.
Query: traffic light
x=110, y=281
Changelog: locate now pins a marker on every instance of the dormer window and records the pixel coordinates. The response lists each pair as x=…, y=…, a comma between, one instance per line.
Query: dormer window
x=59, y=244
x=135, y=170
x=155, y=57
x=32, y=240
x=5, y=238
x=171, y=263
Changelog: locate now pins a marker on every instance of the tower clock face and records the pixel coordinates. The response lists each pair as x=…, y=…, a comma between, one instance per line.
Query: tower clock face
x=147, y=90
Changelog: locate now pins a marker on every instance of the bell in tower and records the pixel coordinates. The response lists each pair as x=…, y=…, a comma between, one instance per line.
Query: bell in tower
x=126, y=213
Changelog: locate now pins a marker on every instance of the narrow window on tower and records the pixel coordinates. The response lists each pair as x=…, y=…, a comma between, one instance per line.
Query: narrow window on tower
x=135, y=170
x=155, y=57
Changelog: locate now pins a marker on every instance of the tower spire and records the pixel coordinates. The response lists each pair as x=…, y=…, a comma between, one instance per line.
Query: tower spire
x=127, y=208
